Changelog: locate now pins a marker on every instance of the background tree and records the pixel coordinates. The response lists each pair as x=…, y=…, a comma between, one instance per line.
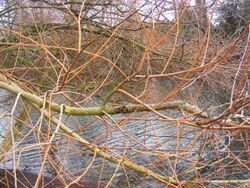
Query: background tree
x=233, y=15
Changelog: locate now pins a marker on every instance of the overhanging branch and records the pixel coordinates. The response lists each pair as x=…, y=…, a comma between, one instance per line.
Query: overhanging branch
x=87, y=111
x=125, y=161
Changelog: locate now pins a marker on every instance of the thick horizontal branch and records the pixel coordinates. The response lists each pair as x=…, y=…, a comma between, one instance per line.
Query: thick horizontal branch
x=82, y=111
x=179, y=105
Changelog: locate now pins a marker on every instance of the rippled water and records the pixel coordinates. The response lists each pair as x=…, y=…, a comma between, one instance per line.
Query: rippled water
x=146, y=134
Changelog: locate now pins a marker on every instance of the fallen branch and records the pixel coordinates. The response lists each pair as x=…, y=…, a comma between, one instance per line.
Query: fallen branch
x=122, y=160
x=87, y=111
